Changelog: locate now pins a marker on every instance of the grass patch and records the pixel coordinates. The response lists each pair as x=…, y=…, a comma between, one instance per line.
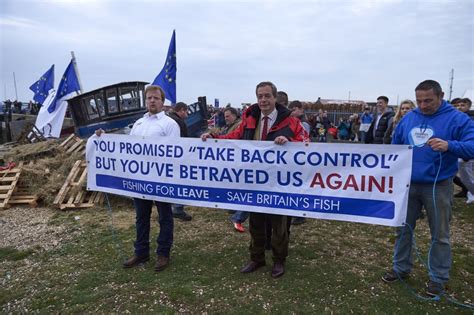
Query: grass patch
x=12, y=254
x=333, y=267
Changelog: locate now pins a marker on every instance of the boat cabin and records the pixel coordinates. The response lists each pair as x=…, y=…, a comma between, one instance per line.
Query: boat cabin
x=111, y=107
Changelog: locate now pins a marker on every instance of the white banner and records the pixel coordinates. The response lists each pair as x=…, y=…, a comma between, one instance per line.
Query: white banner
x=347, y=182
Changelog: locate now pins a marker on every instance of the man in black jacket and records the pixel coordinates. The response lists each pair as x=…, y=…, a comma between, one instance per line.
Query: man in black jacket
x=381, y=123
x=179, y=114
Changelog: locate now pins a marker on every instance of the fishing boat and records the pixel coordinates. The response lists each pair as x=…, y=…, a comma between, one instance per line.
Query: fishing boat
x=114, y=107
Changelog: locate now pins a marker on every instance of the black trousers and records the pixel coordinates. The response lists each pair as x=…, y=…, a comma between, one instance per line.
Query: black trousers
x=279, y=237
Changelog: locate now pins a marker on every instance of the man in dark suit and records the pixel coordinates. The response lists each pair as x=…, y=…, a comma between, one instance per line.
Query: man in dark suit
x=267, y=121
x=179, y=114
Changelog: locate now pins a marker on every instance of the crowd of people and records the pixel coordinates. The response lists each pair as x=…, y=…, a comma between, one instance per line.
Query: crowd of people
x=442, y=136
x=17, y=107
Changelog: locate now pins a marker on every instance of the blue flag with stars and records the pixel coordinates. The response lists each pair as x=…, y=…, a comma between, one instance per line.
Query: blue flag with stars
x=69, y=83
x=42, y=87
x=167, y=77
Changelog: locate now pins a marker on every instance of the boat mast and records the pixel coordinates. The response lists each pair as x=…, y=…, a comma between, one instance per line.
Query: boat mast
x=451, y=84
x=14, y=82
x=74, y=63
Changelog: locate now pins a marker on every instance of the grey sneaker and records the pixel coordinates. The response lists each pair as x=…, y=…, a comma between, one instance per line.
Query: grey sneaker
x=434, y=288
x=392, y=276
x=182, y=216
x=298, y=221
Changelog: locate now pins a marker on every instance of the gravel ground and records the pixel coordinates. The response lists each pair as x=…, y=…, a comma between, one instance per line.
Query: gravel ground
x=25, y=228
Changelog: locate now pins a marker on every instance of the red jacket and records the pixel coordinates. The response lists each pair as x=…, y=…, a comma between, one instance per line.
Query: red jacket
x=285, y=125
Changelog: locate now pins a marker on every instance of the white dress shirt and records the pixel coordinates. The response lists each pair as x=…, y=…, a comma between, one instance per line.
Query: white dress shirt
x=156, y=125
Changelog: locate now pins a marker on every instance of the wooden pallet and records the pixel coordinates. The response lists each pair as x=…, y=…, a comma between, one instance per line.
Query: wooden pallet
x=72, y=195
x=73, y=144
x=8, y=181
x=30, y=134
x=22, y=196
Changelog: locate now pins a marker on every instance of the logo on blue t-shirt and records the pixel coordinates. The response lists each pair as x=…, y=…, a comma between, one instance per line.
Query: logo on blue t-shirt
x=418, y=136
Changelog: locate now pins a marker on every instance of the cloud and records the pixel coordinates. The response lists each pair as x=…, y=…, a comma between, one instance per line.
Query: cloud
x=16, y=22
x=309, y=48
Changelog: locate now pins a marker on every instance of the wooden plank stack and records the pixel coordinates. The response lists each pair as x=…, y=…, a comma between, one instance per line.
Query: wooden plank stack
x=11, y=192
x=73, y=144
x=21, y=196
x=72, y=194
x=8, y=181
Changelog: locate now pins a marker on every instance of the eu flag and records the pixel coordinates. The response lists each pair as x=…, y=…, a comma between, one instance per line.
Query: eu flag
x=69, y=83
x=167, y=77
x=42, y=87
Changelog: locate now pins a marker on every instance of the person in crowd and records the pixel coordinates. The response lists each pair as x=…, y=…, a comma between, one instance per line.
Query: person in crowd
x=35, y=107
x=466, y=168
x=326, y=121
x=179, y=113
x=321, y=137
x=267, y=121
x=381, y=123
x=439, y=135
x=365, y=122
x=464, y=105
x=7, y=106
x=455, y=100
x=321, y=126
x=154, y=123
x=343, y=129
x=331, y=132
x=220, y=118
x=282, y=98
x=457, y=180
x=17, y=107
x=315, y=123
x=232, y=120
x=405, y=107
x=297, y=111
x=355, y=127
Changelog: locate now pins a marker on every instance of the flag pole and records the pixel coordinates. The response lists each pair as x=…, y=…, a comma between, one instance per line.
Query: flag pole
x=74, y=63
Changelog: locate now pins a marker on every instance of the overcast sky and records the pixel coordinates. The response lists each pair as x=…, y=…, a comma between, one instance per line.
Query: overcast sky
x=309, y=49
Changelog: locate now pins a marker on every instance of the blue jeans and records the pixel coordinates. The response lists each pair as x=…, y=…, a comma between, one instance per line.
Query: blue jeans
x=466, y=173
x=142, y=224
x=439, y=260
x=239, y=216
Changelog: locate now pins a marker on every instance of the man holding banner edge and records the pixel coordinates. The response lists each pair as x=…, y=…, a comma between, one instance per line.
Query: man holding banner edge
x=439, y=135
x=267, y=121
x=155, y=123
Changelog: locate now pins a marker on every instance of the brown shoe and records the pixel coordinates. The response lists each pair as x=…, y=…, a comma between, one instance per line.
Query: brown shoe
x=162, y=263
x=278, y=270
x=135, y=261
x=252, y=266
